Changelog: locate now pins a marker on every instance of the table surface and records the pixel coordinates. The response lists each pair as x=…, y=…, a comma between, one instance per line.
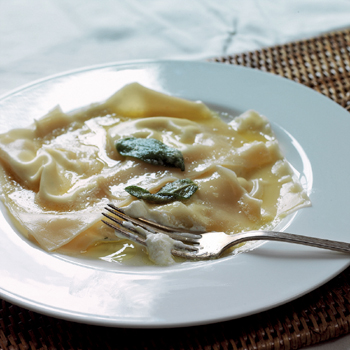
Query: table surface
x=40, y=38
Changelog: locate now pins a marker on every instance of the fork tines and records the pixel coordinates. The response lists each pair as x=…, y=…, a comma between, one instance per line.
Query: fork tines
x=136, y=229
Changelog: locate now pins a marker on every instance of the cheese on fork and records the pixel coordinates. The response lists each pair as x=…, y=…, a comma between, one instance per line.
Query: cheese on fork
x=58, y=174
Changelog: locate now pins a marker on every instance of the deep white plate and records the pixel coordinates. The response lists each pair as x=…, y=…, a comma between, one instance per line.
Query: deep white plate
x=313, y=132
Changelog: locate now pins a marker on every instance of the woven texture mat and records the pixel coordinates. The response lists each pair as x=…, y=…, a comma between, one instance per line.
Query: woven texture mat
x=322, y=63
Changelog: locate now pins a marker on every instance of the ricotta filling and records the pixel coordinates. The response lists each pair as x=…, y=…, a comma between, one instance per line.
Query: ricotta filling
x=158, y=245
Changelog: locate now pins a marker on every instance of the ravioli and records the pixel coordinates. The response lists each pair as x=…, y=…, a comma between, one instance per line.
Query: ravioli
x=58, y=174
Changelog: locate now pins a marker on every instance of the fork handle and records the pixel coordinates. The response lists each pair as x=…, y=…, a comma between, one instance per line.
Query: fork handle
x=298, y=239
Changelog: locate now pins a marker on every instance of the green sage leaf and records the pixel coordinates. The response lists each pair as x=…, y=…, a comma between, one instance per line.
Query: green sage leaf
x=178, y=190
x=151, y=151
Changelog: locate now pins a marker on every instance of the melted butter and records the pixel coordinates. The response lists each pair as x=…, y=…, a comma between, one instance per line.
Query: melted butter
x=58, y=174
x=120, y=252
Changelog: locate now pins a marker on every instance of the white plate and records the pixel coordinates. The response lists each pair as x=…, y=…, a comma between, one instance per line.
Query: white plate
x=313, y=132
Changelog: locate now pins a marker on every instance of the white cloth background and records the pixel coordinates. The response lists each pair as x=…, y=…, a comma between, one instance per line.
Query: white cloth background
x=39, y=38
x=44, y=37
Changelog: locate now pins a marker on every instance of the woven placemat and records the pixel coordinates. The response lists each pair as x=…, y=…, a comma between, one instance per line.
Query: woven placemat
x=322, y=63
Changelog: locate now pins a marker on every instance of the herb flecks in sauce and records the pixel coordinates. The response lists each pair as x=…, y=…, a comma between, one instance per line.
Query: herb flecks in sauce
x=178, y=190
x=151, y=151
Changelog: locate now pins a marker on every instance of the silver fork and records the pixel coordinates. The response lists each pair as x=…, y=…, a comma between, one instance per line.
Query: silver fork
x=205, y=245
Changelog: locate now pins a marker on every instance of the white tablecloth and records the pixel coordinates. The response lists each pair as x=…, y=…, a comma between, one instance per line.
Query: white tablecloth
x=44, y=37
x=39, y=38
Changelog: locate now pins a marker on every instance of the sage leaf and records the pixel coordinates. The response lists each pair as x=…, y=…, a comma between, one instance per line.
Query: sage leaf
x=151, y=151
x=178, y=190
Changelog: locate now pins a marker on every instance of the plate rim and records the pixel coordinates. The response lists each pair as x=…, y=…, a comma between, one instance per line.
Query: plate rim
x=50, y=311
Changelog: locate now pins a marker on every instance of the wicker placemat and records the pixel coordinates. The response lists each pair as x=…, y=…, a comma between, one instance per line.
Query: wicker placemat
x=321, y=63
